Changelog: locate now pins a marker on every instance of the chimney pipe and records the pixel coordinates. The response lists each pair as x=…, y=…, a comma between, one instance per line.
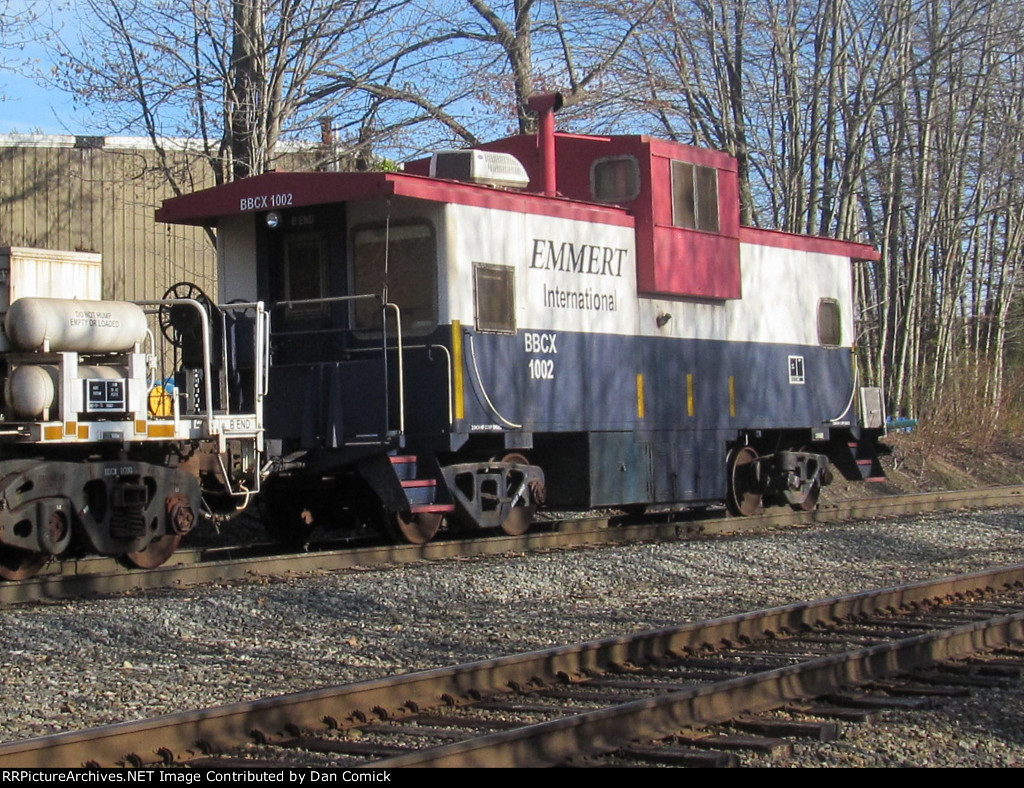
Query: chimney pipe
x=546, y=105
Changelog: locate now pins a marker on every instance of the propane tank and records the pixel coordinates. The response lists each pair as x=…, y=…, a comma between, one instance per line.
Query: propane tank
x=58, y=324
x=31, y=389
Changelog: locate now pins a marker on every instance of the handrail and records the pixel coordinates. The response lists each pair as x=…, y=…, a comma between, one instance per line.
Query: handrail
x=261, y=377
x=448, y=365
x=225, y=400
x=261, y=350
x=327, y=300
x=204, y=323
x=401, y=362
x=384, y=335
x=265, y=387
x=483, y=391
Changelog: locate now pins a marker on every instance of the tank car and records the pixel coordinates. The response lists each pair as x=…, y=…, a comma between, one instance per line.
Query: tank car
x=552, y=319
x=120, y=421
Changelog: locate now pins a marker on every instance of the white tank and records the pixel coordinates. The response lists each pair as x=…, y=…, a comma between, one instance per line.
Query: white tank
x=31, y=389
x=58, y=324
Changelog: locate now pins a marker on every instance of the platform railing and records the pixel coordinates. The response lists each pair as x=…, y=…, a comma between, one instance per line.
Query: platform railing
x=385, y=307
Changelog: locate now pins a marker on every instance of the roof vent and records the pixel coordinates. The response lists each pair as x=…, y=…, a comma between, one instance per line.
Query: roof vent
x=477, y=166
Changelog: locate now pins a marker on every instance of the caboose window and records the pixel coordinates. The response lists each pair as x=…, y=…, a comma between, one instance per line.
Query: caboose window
x=694, y=196
x=495, y=290
x=830, y=331
x=305, y=273
x=398, y=263
x=615, y=179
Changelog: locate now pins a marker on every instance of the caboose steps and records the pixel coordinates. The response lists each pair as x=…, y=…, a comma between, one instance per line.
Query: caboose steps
x=865, y=460
x=433, y=508
x=405, y=465
x=422, y=493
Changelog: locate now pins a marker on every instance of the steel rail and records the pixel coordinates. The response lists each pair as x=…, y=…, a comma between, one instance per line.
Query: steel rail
x=589, y=531
x=600, y=732
x=179, y=737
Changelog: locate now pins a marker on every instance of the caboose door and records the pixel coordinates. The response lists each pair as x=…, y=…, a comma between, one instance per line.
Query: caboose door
x=303, y=272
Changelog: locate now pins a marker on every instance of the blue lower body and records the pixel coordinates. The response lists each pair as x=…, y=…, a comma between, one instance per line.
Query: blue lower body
x=612, y=419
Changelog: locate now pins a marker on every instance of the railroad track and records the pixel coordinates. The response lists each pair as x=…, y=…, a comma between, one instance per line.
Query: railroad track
x=652, y=696
x=85, y=577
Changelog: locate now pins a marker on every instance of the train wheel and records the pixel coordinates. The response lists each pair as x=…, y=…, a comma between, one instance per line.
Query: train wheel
x=55, y=536
x=19, y=564
x=155, y=553
x=744, y=496
x=520, y=518
x=413, y=528
x=518, y=521
x=811, y=501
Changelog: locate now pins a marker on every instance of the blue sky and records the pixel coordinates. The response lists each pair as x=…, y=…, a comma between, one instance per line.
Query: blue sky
x=27, y=106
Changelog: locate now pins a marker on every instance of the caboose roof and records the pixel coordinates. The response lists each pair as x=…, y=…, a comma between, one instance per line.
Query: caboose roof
x=809, y=243
x=282, y=190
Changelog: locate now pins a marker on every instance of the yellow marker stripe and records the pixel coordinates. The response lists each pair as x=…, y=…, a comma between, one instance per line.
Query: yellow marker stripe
x=641, y=405
x=459, y=381
x=690, y=406
x=160, y=431
x=70, y=428
x=732, y=396
x=53, y=433
x=140, y=427
x=83, y=432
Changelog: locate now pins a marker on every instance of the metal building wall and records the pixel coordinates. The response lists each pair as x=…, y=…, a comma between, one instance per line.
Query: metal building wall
x=98, y=195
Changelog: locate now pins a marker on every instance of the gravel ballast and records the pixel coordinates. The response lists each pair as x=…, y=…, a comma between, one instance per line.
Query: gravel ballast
x=72, y=665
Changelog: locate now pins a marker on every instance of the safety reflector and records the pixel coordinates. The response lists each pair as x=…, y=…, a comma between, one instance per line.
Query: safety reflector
x=161, y=431
x=458, y=381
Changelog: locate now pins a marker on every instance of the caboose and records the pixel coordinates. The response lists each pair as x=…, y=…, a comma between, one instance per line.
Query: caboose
x=557, y=319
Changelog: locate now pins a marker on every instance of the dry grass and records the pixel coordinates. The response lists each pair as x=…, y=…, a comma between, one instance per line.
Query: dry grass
x=962, y=441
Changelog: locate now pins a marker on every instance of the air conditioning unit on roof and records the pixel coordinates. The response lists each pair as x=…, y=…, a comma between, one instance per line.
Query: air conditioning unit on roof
x=477, y=166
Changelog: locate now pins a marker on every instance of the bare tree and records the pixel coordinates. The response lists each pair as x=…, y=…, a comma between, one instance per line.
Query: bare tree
x=17, y=28
x=473, y=64
x=898, y=123
x=234, y=76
